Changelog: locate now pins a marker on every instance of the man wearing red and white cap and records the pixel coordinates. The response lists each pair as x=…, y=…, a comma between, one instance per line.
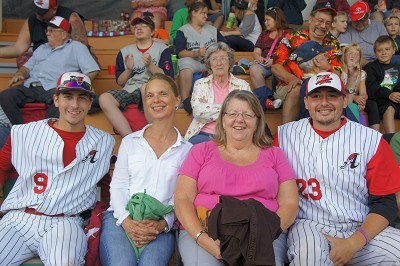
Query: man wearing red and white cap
x=59, y=162
x=347, y=178
x=34, y=30
x=362, y=30
x=40, y=73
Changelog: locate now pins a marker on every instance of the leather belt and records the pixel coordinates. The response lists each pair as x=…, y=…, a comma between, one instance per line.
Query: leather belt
x=36, y=84
x=35, y=212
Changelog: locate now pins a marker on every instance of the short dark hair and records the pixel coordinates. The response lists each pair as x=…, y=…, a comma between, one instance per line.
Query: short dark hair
x=384, y=39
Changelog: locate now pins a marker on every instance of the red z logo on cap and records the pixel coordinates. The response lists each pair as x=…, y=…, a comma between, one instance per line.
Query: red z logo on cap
x=323, y=79
x=40, y=2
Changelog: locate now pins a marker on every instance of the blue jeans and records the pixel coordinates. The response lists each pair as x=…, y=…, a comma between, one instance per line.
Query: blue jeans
x=115, y=248
x=201, y=137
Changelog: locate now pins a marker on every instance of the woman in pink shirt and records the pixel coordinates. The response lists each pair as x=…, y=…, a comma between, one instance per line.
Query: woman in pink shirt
x=209, y=93
x=240, y=163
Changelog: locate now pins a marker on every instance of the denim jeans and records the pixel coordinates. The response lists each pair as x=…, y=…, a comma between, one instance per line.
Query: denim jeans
x=115, y=248
x=201, y=137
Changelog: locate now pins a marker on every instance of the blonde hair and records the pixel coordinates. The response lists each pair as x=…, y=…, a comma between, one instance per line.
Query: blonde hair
x=391, y=17
x=260, y=138
x=346, y=49
x=339, y=13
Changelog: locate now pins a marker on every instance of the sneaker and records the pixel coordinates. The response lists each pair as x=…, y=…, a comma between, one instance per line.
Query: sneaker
x=273, y=104
x=277, y=103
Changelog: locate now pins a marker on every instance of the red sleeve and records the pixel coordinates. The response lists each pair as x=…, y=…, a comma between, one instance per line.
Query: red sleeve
x=276, y=140
x=5, y=161
x=383, y=174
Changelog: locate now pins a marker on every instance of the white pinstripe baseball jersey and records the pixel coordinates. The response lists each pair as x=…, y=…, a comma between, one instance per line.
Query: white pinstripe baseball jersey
x=44, y=183
x=330, y=172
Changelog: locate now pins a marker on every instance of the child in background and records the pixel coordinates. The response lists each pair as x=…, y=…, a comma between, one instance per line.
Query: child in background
x=383, y=82
x=265, y=47
x=339, y=24
x=392, y=24
x=354, y=79
x=160, y=34
x=245, y=36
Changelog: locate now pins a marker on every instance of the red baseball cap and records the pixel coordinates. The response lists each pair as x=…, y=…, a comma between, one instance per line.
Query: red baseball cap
x=59, y=22
x=358, y=11
x=42, y=6
x=325, y=80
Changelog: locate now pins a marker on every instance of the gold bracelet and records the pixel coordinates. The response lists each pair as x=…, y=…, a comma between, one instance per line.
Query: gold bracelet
x=196, y=238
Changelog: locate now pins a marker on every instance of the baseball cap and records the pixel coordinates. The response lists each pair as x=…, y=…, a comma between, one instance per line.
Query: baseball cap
x=325, y=80
x=324, y=6
x=59, y=22
x=74, y=81
x=143, y=19
x=358, y=10
x=309, y=50
x=42, y=6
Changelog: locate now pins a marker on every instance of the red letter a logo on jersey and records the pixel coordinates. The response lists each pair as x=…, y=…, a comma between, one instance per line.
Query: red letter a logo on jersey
x=91, y=155
x=351, y=161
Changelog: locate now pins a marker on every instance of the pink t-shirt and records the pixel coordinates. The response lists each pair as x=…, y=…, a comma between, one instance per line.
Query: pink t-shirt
x=220, y=94
x=215, y=176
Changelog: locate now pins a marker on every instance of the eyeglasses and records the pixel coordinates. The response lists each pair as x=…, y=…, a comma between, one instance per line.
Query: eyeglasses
x=142, y=25
x=234, y=115
x=321, y=21
x=52, y=30
x=217, y=59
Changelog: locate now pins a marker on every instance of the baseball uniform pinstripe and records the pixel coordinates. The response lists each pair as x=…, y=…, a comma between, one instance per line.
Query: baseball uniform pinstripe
x=331, y=175
x=47, y=186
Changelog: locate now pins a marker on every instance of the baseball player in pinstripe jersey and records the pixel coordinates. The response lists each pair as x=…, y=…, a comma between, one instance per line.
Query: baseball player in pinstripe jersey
x=59, y=164
x=347, y=178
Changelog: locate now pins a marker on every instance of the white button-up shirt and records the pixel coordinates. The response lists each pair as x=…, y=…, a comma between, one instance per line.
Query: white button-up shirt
x=138, y=169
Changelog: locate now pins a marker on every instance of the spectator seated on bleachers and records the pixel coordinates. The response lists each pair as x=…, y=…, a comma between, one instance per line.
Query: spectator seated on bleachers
x=210, y=92
x=339, y=24
x=180, y=19
x=191, y=42
x=383, y=84
x=135, y=64
x=246, y=33
x=264, y=49
x=285, y=66
x=34, y=29
x=61, y=54
x=362, y=30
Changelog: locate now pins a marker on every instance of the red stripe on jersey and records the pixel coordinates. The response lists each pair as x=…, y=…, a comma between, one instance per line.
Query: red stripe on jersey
x=383, y=174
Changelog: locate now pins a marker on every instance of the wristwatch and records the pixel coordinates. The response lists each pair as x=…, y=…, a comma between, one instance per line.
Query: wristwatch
x=166, y=228
x=351, y=90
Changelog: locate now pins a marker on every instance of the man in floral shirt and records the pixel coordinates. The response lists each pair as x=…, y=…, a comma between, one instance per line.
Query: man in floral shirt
x=285, y=67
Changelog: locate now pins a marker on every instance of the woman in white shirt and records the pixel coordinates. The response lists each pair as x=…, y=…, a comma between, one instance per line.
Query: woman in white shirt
x=148, y=160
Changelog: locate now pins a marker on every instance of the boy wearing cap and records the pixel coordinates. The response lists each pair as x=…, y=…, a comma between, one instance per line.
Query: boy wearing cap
x=362, y=30
x=61, y=54
x=383, y=84
x=285, y=67
x=347, y=187
x=134, y=66
x=59, y=162
x=34, y=30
